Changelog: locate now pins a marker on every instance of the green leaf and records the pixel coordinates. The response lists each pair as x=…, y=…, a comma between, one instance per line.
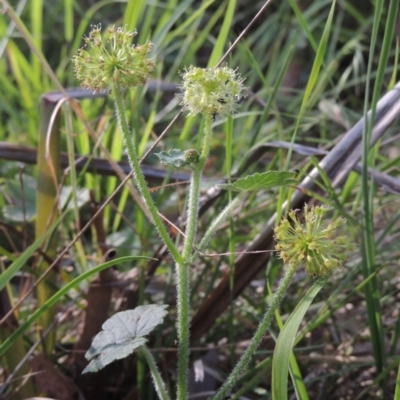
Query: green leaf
x=54, y=299
x=23, y=207
x=265, y=180
x=24, y=202
x=173, y=157
x=122, y=334
x=284, y=344
x=21, y=261
x=223, y=35
x=397, y=388
x=82, y=197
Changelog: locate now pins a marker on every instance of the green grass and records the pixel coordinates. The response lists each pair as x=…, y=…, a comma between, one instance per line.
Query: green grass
x=293, y=58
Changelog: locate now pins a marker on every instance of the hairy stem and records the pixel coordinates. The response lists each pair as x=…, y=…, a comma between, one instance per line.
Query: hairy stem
x=216, y=223
x=183, y=294
x=260, y=332
x=193, y=203
x=138, y=175
x=155, y=374
x=183, y=281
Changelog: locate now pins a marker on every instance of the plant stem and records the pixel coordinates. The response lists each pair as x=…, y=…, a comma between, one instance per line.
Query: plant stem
x=260, y=332
x=138, y=175
x=216, y=223
x=155, y=373
x=182, y=268
x=183, y=300
x=193, y=202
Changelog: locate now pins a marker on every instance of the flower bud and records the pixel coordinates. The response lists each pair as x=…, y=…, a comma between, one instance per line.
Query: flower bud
x=191, y=156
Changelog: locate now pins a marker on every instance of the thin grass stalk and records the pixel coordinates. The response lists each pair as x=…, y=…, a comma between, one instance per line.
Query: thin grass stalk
x=5, y=345
x=368, y=242
x=397, y=388
x=48, y=172
x=13, y=357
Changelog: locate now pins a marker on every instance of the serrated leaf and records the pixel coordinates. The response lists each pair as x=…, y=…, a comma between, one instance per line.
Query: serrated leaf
x=122, y=334
x=265, y=180
x=173, y=157
x=112, y=352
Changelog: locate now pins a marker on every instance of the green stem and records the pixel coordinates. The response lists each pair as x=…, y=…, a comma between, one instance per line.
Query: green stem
x=193, y=202
x=155, y=374
x=183, y=282
x=183, y=300
x=260, y=332
x=139, y=177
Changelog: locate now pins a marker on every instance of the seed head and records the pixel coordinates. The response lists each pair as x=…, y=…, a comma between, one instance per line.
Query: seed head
x=112, y=58
x=211, y=90
x=314, y=242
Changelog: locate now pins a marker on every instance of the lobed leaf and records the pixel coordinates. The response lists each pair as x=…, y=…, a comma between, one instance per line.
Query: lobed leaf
x=173, y=157
x=122, y=334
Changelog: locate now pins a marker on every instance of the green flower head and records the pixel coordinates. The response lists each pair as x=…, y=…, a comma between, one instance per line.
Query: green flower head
x=211, y=90
x=110, y=58
x=314, y=242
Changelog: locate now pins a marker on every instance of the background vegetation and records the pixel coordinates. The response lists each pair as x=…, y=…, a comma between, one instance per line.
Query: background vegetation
x=313, y=69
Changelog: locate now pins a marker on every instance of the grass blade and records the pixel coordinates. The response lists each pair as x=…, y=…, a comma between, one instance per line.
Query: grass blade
x=54, y=299
x=397, y=390
x=368, y=240
x=284, y=344
x=223, y=35
x=6, y=276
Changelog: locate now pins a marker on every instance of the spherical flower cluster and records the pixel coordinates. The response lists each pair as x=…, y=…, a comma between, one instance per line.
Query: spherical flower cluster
x=111, y=58
x=315, y=243
x=211, y=90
